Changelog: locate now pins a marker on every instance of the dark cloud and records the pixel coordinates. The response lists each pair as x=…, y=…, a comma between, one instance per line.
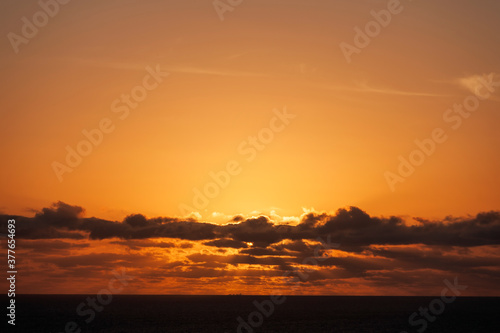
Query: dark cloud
x=227, y=242
x=261, y=251
x=50, y=246
x=237, y=218
x=414, y=258
x=137, y=244
x=352, y=227
x=136, y=220
x=60, y=214
x=384, y=252
x=95, y=259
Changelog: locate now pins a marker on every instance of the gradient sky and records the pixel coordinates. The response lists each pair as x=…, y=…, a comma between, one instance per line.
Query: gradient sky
x=226, y=81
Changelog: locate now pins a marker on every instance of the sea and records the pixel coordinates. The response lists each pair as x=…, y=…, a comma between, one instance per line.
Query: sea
x=249, y=314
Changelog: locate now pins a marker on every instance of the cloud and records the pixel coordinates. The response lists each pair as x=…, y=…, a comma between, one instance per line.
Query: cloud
x=480, y=84
x=226, y=242
x=49, y=246
x=473, y=82
x=351, y=226
x=376, y=254
x=138, y=244
x=363, y=87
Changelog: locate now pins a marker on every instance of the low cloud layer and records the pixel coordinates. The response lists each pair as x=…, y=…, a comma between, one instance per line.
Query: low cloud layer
x=352, y=227
x=59, y=246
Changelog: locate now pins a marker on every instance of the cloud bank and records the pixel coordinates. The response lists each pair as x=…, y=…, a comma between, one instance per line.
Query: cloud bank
x=377, y=255
x=351, y=226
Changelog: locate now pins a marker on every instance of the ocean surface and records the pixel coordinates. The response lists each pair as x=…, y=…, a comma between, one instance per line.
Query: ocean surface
x=148, y=314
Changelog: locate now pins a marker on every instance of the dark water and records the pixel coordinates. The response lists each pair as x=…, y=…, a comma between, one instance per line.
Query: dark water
x=138, y=314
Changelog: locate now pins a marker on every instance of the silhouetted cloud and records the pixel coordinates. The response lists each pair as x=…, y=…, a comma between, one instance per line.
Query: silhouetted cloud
x=226, y=242
x=352, y=227
x=381, y=253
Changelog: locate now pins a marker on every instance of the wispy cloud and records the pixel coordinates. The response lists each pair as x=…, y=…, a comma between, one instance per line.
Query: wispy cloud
x=363, y=87
x=173, y=69
x=475, y=83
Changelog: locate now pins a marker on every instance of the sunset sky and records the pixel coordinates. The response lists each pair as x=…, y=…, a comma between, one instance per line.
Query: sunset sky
x=252, y=134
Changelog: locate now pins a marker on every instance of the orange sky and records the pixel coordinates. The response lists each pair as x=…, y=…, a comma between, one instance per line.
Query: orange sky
x=219, y=84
